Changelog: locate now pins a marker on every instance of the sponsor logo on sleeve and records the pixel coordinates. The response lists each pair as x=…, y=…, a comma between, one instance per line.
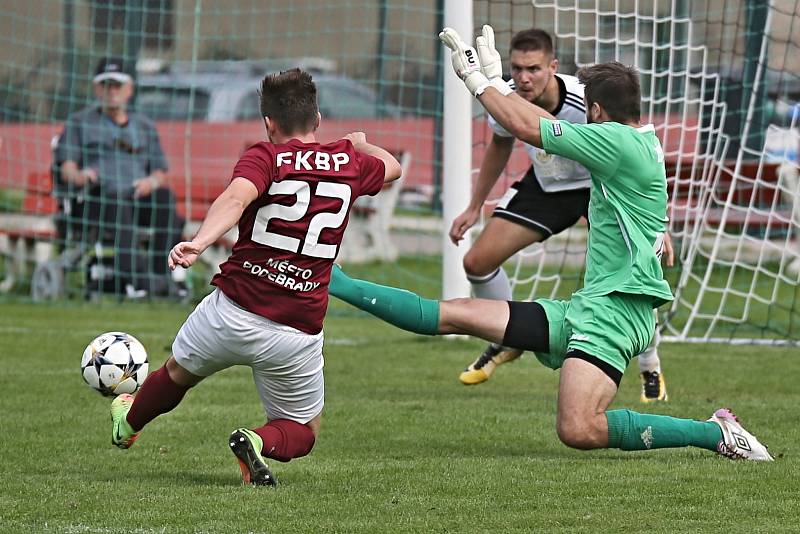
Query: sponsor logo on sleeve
x=557, y=129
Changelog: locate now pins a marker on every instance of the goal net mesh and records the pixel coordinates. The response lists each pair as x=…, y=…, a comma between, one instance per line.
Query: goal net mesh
x=720, y=83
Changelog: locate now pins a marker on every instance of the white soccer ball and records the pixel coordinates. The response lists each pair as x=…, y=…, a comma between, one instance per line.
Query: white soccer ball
x=114, y=363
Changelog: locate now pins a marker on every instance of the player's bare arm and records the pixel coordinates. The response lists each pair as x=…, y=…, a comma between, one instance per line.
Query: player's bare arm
x=494, y=161
x=518, y=116
x=392, y=166
x=223, y=214
x=669, y=251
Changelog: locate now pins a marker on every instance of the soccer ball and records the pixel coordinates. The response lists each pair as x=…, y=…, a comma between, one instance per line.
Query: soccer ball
x=114, y=363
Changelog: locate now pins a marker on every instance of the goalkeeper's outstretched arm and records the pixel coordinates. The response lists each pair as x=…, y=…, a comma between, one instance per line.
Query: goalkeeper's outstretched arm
x=518, y=116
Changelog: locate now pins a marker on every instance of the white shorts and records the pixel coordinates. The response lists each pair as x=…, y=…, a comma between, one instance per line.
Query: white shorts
x=286, y=363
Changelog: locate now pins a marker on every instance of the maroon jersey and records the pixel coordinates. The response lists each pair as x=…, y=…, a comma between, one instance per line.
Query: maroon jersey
x=289, y=236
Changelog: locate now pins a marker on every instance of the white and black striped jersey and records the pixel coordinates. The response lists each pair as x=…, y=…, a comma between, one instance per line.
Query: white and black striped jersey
x=556, y=173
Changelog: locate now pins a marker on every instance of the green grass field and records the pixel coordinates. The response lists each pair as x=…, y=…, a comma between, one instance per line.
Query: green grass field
x=404, y=446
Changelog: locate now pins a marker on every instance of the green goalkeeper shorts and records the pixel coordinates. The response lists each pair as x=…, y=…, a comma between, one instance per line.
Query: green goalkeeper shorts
x=613, y=328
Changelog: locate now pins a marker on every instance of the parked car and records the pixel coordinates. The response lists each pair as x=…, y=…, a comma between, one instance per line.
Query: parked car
x=226, y=91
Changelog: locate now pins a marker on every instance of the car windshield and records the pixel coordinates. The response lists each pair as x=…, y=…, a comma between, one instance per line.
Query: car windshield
x=173, y=103
x=337, y=99
x=342, y=101
x=237, y=99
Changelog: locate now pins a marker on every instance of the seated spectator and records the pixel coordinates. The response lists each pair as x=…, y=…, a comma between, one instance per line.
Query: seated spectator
x=116, y=156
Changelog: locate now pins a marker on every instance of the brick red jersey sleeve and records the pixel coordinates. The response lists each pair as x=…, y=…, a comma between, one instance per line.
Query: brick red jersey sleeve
x=372, y=171
x=256, y=165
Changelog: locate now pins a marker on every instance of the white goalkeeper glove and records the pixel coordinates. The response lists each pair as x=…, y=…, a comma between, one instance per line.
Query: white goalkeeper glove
x=467, y=65
x=490, y=60
x=465, y=61
x=488, y=56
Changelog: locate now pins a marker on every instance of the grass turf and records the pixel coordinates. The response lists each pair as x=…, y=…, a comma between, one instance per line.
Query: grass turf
x=404, y=446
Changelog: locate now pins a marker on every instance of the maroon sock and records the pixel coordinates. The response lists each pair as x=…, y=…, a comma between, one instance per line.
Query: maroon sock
x=285, y=439
x=159, y=394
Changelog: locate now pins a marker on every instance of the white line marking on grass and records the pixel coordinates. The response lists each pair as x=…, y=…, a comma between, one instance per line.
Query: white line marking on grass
x=344, y=341
x=16, y=329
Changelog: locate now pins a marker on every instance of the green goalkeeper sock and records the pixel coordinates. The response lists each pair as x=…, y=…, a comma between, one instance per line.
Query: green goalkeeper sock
x=399, y=307
x=632, y=431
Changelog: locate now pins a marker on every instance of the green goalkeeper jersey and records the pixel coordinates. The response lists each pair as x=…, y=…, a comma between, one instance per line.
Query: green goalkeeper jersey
x=628, y=206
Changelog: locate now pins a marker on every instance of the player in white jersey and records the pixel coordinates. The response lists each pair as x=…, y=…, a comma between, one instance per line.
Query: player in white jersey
x=551, y=197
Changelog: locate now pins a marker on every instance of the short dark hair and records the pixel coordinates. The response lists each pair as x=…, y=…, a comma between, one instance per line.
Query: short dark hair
x=290, y=99
x=615, y=87
x=532, y=40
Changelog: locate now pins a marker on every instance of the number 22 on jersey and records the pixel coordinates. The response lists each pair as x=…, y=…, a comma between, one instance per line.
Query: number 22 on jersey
x=294, y=212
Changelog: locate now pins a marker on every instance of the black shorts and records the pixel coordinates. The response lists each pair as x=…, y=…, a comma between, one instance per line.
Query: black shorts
x=529, y=328
x=526, y=203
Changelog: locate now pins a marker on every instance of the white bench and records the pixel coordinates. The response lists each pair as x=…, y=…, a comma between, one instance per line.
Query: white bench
x=367, y=236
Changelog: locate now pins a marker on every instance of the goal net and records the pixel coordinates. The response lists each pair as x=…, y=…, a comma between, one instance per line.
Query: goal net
x=720, y=83
x=197, y=66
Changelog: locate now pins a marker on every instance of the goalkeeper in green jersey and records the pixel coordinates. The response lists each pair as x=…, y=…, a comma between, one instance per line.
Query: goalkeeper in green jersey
x=552, y=196
x=593, y=336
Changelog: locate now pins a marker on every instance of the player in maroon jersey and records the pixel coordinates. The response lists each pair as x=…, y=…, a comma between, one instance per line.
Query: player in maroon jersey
x=291, y=198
